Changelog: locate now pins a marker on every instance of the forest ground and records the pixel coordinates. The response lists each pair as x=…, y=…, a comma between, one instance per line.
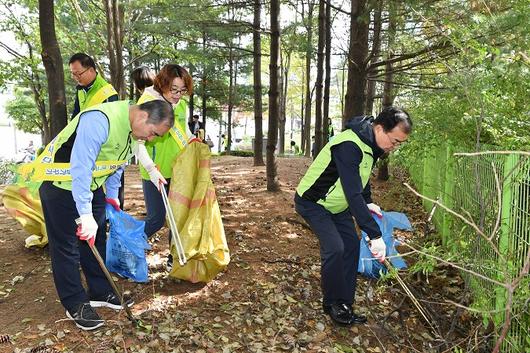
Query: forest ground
x=267, y=300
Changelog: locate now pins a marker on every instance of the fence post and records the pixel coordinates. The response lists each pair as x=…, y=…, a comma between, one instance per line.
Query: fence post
x=447, y=198
x=506, y=225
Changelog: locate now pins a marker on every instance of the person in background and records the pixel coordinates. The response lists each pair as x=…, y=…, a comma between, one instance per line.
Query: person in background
x=294, y=148
x=313, y=147
x=331, y=131
x=92, y=89
x=196, y=126
x=96, y=137
x=142, y=78
x=156, y=157
x=335, y=188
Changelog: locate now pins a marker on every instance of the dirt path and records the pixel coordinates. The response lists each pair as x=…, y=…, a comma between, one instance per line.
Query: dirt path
x=268, y=300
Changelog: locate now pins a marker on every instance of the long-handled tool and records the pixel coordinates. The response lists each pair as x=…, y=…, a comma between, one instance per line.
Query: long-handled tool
x=101, y=263
x=175, y=238
x=409, y=293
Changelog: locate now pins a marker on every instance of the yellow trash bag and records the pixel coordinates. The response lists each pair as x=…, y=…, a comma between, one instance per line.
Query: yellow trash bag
x=197, y=215
x=26, y=208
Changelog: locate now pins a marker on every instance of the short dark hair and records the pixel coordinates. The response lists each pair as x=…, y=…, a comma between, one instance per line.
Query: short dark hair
x=142, y=77
x=84, y=60
x=195, y=116
x=166, y=76
x=159, y=112
x=390, y=117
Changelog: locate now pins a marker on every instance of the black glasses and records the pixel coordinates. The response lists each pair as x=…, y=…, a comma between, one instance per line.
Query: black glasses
x=181, y=91
x=78, y=75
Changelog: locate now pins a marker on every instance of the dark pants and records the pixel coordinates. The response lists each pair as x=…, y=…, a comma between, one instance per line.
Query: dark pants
x=339, y=250
x=67, y=251
x=156, y=212
x=121, y=191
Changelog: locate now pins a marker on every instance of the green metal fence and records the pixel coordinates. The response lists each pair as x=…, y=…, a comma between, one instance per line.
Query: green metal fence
x=494, y=191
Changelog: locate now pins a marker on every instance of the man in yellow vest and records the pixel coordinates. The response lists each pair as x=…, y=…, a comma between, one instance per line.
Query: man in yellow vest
x=91, y=88
x=336, y=187
x=86, y=155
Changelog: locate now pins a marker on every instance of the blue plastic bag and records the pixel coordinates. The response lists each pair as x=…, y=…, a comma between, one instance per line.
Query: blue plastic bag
x=126, y=246
x=368, y=265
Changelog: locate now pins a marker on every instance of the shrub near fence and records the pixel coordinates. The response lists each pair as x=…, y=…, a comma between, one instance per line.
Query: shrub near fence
x=494, y=191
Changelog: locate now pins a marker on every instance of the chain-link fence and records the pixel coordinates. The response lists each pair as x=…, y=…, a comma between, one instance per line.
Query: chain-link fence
x=492, y=190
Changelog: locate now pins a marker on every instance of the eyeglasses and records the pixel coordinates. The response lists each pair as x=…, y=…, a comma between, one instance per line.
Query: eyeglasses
x=394, y=141
x=78, y=74
x=181, y=91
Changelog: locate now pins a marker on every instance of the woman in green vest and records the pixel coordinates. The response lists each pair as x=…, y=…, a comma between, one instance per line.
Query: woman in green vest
x=156, y=157
x=335, y=188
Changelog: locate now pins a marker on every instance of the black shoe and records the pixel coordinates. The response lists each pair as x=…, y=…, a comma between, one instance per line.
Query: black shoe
x=169, y=263
x=112, y=301
x=85, y=317
x=343, y=314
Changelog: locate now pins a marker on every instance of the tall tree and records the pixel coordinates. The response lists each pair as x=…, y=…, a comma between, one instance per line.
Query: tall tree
x=308, y=22
x=358, y=51
x=319, y=136
x=53, y=63
x=327, y=81
x=115, y=14
x=274, y=107
x=258, y=107
x=374, y=57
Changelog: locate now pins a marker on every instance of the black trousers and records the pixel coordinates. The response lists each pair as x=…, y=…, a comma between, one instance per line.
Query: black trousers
x=67, y=252
x=339, y=250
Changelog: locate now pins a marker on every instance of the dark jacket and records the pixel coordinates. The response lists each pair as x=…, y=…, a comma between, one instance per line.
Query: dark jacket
x=347, y=157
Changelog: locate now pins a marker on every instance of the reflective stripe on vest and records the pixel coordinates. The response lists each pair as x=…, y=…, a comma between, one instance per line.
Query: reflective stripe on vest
x=116, y=146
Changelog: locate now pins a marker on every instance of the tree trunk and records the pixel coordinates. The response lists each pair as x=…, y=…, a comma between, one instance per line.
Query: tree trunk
x=230, y=99
x=204, y=97
x=374, y=56
x=358, y=51
x=274, y=108
x=53, y=64
x=284, y=83
x=327, y=81
x=114, y=15
x=281, y=116
x=388, y=96
x=308, y=54
x=258, y=106
x=319, y=133
x=302, y=119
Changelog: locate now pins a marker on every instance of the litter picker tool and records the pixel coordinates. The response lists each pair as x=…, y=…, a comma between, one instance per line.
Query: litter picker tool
x=409, y=293
x=101, y=263
x=175, y=238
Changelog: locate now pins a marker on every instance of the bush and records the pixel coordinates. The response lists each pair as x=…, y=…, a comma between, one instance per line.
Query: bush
x=7, y=171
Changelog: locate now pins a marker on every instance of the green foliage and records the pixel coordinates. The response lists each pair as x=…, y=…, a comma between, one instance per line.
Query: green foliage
x=23, y=111
x=7, y=171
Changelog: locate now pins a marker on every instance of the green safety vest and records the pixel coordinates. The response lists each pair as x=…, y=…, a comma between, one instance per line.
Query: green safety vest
x=164, y=149
x=114, y=152
x=100, y=91
x=335, y=201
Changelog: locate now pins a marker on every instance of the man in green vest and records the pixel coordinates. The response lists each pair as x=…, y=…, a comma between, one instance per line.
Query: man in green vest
x=87, y=155
x=91, y=88
x=335, y=188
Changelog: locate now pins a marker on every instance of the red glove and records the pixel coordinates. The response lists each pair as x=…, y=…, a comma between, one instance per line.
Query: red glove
x=114, y=203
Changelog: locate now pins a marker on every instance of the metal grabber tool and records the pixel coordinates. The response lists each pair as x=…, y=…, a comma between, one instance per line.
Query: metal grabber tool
x=409, y=293
x=175, y=237
x=101, y=263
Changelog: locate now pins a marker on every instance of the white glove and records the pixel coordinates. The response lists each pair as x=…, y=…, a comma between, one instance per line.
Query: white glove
x=87, y=229
x=378, y=248
x=375, y=209
x=143, y=157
